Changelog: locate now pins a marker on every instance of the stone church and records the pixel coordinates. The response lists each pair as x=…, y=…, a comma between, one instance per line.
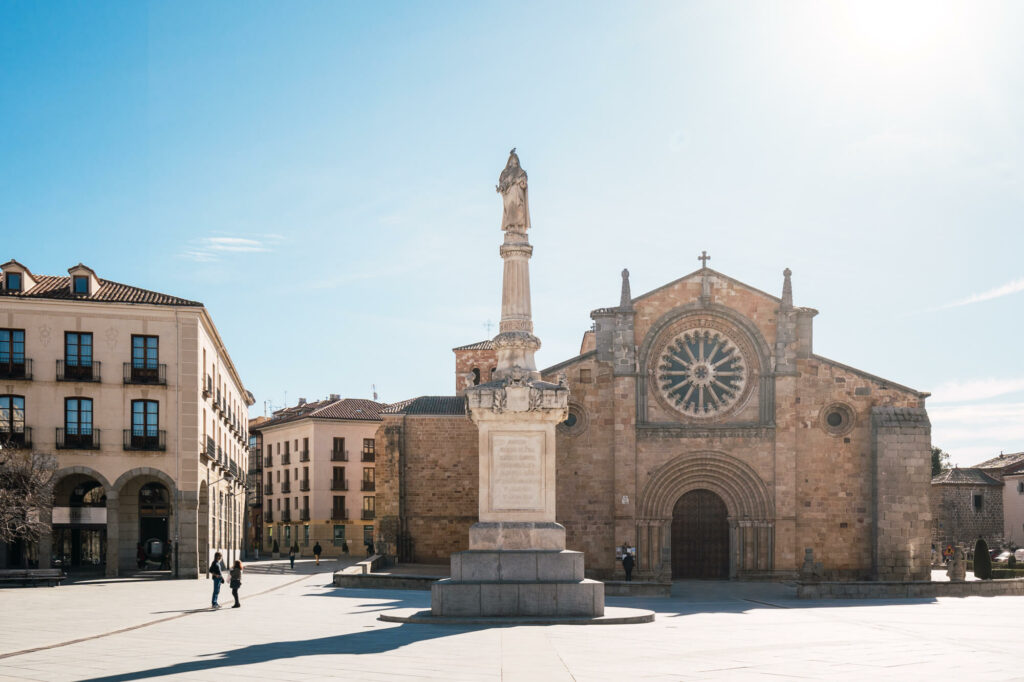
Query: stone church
x=702, y=430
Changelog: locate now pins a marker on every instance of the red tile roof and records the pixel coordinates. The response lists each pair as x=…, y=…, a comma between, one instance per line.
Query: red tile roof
x=486, y=344
x=52, y=286
x=969, y=475
x=354, y=409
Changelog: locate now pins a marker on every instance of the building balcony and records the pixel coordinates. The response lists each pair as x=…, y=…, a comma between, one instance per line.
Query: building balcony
x=286, y=459
x=208, y=387
x=339, y=515
x=304, y=456
x=78, y=372
x=268, y=488
x=339, y=455
x=286, y=515
x=338, y=484
x=368, y=486
x=19, y=439
x=211, y=448
x=146, y=373
x=368, y=457
x=268, y=516
x=268, y=461
x=368, y=515
x=16, y=368
x=78, y=439
x=304, y=486
x=286, y=487
x=304, y=515
x=145, y=439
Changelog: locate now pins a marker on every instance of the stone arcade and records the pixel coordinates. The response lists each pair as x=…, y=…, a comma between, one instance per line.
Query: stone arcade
x=701, y=428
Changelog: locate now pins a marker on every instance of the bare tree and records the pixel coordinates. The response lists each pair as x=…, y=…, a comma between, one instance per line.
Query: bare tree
x=26, y=491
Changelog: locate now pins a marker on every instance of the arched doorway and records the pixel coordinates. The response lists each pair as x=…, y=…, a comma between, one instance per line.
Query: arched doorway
x=154, y=526
x=79, y=522
x=700, y=536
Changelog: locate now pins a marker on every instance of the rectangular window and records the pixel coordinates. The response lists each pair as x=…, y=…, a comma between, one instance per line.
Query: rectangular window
x=13, y=281
x=338, y=450
x=288, y=536
x=368, y=479
x=367, y=533
x=12, y=417
x=12, y=353
x=369, y=505
x=305, y=535
x=977, y=501
x=368, y=446
x=338, y=510
x=339, y=535
x=145, y=352
x=81, y=284
x=77, y=422
x=145, y=417
x=77, y=349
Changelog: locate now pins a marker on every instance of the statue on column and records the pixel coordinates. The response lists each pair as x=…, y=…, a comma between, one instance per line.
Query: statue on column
x=512, y=188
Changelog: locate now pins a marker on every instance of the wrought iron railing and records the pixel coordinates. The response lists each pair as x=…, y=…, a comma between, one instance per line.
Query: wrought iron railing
x=339, y=514
x=286, y=486
x=145, y=439
x=304, y=486
x=368, y=486
x=368, y=456
x=338, y=484
x=19, y=438
x=15, y=367
x=303, y=515
x=367, y=515
x=304, y=456
x=78, y=438
x=339, y=455
x=286, y=515
x=145, y=373
x=78, y=371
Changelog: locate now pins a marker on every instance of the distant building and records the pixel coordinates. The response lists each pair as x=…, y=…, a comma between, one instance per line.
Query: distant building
x=983, y=501
x=319, y=482
x=135, y=393
x=253, y=546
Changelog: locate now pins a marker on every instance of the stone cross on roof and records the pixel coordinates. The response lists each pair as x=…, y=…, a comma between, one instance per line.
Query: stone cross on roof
x=703, y=258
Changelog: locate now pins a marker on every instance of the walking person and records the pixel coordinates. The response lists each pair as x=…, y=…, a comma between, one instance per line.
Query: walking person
x=218, y=578
x=627, y=566
x=369, y=547
x=140, y=555
x=316, y=552
x=344, y=548
x=291, y=555
x=236, y=581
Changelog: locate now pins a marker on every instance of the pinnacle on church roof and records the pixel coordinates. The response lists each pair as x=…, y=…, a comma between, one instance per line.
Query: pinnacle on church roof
x=787, y=289
x=625, y=300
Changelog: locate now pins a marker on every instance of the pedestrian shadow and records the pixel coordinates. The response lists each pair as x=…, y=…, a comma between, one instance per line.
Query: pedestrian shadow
x=378, y=640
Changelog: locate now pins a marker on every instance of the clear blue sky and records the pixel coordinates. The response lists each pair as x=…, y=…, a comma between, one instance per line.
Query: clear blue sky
x=321, y=175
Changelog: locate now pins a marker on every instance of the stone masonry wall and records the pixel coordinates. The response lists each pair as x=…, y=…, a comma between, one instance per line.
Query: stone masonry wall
x=486, y=360
x=955, y=518
x=902, y=478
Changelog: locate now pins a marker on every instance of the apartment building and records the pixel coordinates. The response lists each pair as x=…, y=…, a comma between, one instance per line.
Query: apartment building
x=319, y=481
x=136, y=395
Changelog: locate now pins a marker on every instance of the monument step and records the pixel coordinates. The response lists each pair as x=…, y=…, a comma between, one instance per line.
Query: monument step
x=460, y=598
x=517, y=565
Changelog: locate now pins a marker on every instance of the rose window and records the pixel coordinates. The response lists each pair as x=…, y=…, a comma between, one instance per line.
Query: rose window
x=701, y=373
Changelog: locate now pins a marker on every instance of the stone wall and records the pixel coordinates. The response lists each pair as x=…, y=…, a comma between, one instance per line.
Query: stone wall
x=956, y=519
x=910, y=589
x=484, y=359
x=902, y=472
x=428, y=474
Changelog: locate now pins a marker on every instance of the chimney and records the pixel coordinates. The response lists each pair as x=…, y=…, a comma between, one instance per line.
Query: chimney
x=302, y=401
x=335, y=396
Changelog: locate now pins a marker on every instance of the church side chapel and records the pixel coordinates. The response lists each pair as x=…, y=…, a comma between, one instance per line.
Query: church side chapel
x=704, y=432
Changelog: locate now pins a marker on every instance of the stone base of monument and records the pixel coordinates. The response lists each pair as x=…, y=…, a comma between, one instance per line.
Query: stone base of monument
x=613, y=615
x=526, y=582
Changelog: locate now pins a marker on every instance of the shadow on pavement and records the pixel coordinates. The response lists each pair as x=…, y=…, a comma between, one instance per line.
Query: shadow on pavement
x=366, y=642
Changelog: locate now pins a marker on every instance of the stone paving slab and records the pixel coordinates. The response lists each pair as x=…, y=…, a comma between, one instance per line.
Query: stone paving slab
x=733, y=631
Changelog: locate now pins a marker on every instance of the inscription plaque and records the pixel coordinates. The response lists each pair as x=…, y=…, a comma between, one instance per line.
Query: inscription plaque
x=517, y=471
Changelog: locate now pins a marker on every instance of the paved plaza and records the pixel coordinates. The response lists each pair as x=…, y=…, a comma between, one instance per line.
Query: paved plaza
x=295, y=625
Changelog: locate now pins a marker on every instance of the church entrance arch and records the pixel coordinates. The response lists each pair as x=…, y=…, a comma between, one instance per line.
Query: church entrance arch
x=700, y=536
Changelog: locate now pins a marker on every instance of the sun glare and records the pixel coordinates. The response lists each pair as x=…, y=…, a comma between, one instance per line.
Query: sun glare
x=903, y=28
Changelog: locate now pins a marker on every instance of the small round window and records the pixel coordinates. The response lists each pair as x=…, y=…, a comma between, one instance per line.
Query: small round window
x=837, y=419
x=575, y=421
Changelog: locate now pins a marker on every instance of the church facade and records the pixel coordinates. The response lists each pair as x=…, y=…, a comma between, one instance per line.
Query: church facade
x=704, y=432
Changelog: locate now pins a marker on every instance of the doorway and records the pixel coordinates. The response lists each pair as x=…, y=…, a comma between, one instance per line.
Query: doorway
x=700, y=537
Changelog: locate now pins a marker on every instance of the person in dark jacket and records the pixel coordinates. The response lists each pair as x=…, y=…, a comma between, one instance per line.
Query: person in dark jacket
x=236, y=581
x=291, y=555
x=217, y=577
x=316, y=552
x=369, y=547
x=627, y=565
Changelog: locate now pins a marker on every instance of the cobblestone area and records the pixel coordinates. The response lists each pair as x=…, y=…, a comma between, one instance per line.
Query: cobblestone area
x=296, y=626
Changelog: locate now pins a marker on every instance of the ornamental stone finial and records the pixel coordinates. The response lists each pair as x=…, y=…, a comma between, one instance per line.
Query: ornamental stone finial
x=787, y=288
x=625, y=299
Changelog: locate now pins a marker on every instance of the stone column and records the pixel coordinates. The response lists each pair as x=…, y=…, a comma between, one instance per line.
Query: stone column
x=44, y=548
x=113, y=533
x=188, y=543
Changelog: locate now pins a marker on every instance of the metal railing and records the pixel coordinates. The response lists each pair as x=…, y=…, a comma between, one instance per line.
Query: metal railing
x=339, y=455
x=339, y=514
x=268, y=516
x=368, y=456
x=286, y=515
x=304, y=515
x=145, y=373
x=211, y=447
x=368, y=486
x=78, y=372
x=286, y=458
x=17, y=439
x=208, y=387
x=268, y=488
x=304, y=456
x=304, y=486
x=338, y=484
x=16, y=368
x=367, y=515
x=78, y=438
x=268, y=461
x=145, y=439
x=286, y=486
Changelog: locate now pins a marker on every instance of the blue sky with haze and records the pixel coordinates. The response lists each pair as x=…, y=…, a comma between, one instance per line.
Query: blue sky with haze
x=321, y=175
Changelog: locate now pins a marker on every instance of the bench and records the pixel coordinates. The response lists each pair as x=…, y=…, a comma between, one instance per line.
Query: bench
x=50, y=576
